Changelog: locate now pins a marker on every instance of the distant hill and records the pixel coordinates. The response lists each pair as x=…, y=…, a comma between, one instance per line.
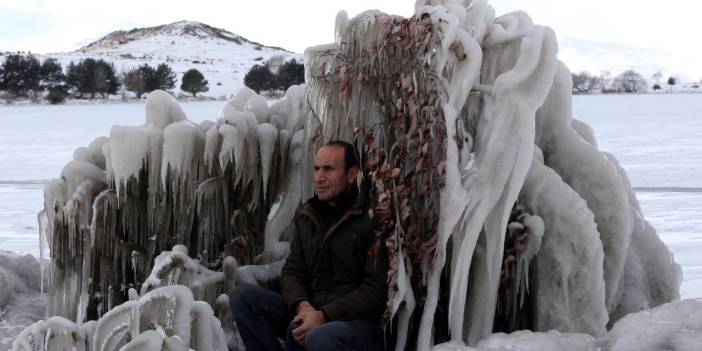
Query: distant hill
x=595, y=57
x=222, y=57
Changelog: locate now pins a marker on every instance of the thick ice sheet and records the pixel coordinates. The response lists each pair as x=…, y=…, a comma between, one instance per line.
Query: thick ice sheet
x=654, y=137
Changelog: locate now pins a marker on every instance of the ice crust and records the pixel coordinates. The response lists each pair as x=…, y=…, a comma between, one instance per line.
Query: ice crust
x=21, y=302
x=508, y=99
x=183, y=212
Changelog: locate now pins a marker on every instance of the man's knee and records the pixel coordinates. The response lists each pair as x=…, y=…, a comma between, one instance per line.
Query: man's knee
x=329, y=336
x=242, y=298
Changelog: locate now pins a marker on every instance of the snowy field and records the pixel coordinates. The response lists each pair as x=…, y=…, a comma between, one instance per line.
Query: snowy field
x=655, y=137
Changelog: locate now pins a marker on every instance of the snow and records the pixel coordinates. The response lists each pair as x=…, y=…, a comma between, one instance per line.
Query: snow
x=676, y=326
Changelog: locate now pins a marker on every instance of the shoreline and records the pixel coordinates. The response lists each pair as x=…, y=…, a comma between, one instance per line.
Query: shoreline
x=116, y=100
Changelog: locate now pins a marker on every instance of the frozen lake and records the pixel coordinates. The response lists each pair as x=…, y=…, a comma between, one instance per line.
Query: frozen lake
x=655, y=137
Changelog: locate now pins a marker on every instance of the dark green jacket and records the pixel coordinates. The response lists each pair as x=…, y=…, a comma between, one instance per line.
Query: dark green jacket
x=335, y=262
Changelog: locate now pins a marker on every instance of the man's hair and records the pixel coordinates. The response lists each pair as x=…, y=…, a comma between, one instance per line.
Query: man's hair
x=350, y=158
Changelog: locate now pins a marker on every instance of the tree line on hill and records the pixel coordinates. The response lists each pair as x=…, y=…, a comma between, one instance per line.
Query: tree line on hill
x=628, y=81
x=261, y=77
x=26, y=76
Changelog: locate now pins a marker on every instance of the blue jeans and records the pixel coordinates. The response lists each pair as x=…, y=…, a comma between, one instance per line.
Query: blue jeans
x=263, y=317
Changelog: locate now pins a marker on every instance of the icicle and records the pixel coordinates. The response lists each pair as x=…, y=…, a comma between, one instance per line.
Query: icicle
x=570, y=251
x=162, y=109
x=236, y=140
x=291, y=198
x=213, y=143
x=259, y=107
x=131, y=150
x=238, y=103
x=268, y=140
x=182, y=167
x=591, y=171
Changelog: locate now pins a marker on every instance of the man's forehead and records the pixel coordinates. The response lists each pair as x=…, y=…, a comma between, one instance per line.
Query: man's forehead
x=329, y=155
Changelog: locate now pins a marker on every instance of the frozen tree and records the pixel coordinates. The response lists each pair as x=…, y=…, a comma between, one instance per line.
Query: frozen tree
x=584, y=82
x=630, y=82
x=496, y=205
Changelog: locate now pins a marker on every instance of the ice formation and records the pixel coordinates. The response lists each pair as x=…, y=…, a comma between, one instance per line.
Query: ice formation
x=498, y=209
x=21, y=302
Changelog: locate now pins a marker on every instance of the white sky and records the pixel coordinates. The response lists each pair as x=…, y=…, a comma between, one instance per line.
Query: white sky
x=45, y=26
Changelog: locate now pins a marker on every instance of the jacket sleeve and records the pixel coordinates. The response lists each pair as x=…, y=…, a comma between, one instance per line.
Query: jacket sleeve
x=293, y=282
x=369, y=299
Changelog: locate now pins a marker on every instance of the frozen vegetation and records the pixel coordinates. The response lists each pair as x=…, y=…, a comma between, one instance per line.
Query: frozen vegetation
x=500, y=212
x=21, y=302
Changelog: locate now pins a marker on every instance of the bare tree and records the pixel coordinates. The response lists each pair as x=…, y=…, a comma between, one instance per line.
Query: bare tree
x=606, y=81
x=657, y=77
x=630, y=82
x=584, y=82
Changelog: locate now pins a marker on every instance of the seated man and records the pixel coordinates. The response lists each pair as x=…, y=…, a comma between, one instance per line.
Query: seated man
x=334, y=282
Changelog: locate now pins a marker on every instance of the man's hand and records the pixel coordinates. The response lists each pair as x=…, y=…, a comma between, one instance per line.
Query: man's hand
x=304, y=306
x=310, y=318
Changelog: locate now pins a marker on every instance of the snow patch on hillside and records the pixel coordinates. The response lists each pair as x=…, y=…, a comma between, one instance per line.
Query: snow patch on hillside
x=222, y=57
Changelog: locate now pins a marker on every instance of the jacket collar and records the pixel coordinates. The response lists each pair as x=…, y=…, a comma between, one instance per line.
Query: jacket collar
x=354, y=202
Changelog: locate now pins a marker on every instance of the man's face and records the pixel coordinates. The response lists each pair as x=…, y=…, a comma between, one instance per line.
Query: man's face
x=331, y=179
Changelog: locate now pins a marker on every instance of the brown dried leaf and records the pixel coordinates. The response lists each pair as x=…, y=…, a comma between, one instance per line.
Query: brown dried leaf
x=395, y=173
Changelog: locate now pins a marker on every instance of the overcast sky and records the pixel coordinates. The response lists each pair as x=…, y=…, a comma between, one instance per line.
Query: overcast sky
x=45, y=26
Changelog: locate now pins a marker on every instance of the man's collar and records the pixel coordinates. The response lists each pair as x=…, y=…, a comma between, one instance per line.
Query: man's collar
x=351, y=199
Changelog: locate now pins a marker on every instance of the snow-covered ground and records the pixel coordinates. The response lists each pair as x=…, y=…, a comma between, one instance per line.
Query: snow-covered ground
x=655, y=137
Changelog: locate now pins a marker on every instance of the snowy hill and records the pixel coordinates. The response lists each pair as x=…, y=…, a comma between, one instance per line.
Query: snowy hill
x=222, y=57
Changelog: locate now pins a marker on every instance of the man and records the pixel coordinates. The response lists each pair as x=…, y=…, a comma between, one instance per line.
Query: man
x=334, y=284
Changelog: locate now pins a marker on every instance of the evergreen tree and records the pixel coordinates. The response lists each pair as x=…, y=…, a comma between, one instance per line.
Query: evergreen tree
x=52, y=74
x=107, y=82
x=290, y=73
x=21, y=74
x=672, y=81
x=145, y=79
x=92, y=77
x=194, y=82
x=53, y=80
x=134, y=81
x=260, y=78
x=164, y=77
